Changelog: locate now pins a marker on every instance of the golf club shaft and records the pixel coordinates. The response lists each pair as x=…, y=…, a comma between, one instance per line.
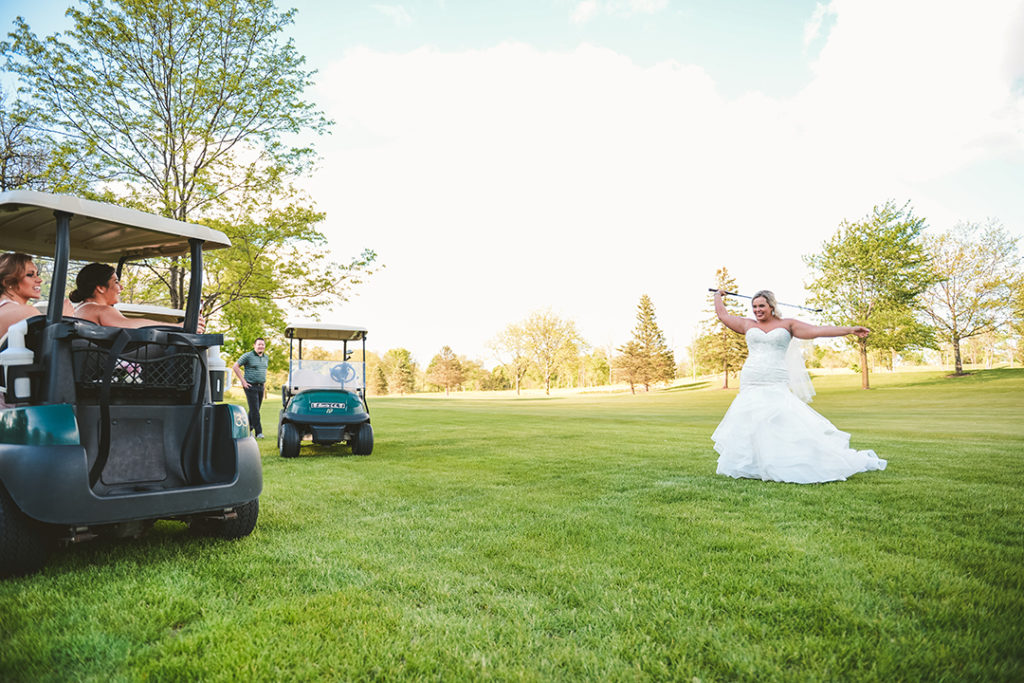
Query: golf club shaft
x=744, y=296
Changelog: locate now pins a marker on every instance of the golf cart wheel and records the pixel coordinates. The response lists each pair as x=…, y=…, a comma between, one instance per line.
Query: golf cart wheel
x=24, y=545
x=362, y=444
x=288, y=440
x=239, y=526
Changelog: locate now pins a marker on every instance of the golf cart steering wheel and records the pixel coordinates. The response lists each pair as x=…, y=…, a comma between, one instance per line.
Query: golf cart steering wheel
x=343, y=372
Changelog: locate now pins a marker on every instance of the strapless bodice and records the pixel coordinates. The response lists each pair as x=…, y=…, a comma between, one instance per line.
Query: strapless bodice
x=766, y=357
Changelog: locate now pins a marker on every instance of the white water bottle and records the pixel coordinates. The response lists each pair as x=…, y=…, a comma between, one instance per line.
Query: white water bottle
x=220, y=378
x=17, y=354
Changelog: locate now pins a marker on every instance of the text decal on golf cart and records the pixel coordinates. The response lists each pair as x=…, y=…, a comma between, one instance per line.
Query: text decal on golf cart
x=327, y=404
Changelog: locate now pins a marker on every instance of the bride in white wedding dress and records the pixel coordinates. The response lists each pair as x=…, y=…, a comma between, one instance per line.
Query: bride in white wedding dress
x=768, y=432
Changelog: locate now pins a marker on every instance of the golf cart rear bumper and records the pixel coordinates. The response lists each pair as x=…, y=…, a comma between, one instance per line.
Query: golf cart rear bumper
x=51, y=484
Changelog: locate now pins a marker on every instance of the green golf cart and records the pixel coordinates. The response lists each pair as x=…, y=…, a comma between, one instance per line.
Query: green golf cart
x=109, y=429
x=324, y=401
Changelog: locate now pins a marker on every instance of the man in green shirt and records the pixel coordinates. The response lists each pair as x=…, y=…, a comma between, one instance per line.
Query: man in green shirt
x=253, y=381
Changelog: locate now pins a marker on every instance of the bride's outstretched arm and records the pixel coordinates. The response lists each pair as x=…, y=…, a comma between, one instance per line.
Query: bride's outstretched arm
x=803, y=330
x=733, y=322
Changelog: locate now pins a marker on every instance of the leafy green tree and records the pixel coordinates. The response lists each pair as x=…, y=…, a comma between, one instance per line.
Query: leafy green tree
x=1017, y=319
x=445, y=370
x=873, y=273
x=248, y=320
x=400, y=370
x=552, y=343
x=597, y=369
x=23, y=160
x=511, y=349
x=187, y=109
x=718, y=348
x=976, y=268
x=497, y=380
x=646, y=359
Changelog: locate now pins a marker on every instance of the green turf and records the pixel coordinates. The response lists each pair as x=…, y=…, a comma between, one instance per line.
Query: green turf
x=578, y=538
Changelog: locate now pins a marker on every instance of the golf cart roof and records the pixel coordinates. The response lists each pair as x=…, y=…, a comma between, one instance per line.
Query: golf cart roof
x=324, y=331
x=99, y=232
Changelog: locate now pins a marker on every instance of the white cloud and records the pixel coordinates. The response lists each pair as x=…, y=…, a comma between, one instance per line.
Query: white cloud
x=501, y=181
x=397, y=13
x=813, y=27
x=584, y=12
x=588, y=9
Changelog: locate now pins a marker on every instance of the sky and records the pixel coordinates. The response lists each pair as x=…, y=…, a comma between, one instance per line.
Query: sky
x=513, y=156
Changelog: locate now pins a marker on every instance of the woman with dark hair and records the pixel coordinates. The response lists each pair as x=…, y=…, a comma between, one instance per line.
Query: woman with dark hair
x=769, y=431
x=97, y=289
x=19, y=284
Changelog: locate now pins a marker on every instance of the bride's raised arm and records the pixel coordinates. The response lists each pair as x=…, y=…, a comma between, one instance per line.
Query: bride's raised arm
x=733, y=322
x=803, y=330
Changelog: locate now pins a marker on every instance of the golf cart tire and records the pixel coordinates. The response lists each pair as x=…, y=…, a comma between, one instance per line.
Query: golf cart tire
x=362, y=444
x=24, y=545
x=289, y=440
x=240, y=526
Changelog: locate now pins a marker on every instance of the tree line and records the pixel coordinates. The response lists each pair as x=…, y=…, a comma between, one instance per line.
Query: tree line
x=191, y=111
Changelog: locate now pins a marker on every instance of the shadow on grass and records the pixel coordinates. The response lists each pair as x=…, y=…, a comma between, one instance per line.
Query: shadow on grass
x=970, y=377
x=686, y=387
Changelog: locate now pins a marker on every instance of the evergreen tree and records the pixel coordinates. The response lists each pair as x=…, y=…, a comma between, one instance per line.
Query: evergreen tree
x=380, y=382
x=646, y=359
x=718, y=348
x=401, y=371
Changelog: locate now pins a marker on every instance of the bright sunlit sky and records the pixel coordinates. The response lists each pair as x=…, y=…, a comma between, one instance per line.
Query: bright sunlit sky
x=509, y=156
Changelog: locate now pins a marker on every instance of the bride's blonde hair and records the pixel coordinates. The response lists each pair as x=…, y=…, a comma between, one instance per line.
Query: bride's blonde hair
x=770, y=298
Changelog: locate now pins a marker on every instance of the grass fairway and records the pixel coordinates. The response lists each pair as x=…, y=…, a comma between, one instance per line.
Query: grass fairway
x=581, y=538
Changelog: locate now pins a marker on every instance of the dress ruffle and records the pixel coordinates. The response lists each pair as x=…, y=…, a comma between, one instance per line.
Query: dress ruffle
x=770, y=434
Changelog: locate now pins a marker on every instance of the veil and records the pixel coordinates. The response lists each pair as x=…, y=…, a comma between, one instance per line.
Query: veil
x=799, y=380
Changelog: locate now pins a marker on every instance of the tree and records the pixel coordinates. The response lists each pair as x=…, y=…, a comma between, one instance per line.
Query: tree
x=597, y=369
x=873, y=273
x=23, y=161
x=551, y=343
x=400, y=370
x=646, y=359
x=380, y=382
x=445, y=370
x=512, y=351
x=718, y=347
x=976, y=268
x=186, y=109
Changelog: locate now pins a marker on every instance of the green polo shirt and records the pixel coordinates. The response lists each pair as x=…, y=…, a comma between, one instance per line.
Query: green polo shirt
x=254, y=367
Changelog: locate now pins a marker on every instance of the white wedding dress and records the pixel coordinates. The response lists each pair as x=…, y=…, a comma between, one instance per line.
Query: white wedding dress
x=768, y=433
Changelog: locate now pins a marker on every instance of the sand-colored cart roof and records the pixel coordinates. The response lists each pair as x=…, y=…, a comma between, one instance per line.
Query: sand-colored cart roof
x=99, y=231
x=324, y=331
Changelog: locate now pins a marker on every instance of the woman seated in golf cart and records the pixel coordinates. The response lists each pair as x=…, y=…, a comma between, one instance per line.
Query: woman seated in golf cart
x=97, y=290
x=19, y=284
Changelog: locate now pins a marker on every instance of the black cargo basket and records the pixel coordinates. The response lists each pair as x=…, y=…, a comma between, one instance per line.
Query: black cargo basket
x=141, y=369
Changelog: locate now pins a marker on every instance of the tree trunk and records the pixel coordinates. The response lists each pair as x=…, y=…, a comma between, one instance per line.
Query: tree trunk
x=864, y=381
x=958, y=363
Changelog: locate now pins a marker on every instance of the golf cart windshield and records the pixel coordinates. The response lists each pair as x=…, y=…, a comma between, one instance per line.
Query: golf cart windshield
x=324, y=374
